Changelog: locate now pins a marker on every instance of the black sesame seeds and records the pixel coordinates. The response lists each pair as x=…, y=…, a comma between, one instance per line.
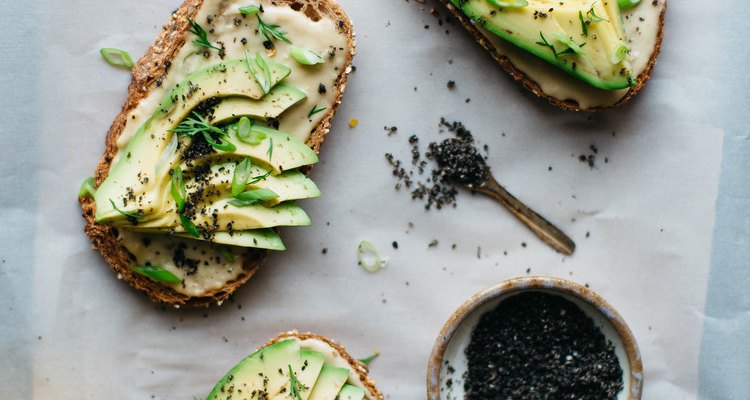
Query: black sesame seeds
x=540, y=346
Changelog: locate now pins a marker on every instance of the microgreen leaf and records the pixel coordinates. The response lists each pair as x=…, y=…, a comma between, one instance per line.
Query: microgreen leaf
x=271, y=30
x=315, y=110
x=305, y=56
x=368, y=360
x=295, y=386
x=125, y=213
x=251, y=9
x=87, y=188
x=253, y=197
x=592, y=17
x=246, y=133
x=509, y=4
x=179, y=192
x=241, y=176
x=156, y=273
x=189, y=226
x=202, y=40
x=117, y=57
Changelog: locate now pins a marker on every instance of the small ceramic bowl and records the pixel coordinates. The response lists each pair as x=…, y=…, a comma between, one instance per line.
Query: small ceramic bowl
x=448, y=362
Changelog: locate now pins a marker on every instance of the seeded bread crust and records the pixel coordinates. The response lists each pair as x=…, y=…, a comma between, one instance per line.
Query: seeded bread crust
x=359, y=368
x=520, y=77
x=145, y=74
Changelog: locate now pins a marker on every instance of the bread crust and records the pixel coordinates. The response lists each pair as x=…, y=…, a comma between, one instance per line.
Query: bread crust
x=359, y=368
x=521, y=77
x=146, y=72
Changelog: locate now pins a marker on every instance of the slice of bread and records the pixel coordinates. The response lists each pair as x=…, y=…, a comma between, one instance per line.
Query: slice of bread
x=146, y=73
x=521, y=77
x=356, y=366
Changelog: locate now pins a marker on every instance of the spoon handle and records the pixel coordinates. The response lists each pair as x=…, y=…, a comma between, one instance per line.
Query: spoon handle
x=549, y=233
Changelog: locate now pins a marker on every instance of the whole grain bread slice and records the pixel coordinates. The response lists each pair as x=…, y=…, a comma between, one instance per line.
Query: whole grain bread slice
x=146, y=73
x=534, y=87
x=358, y=368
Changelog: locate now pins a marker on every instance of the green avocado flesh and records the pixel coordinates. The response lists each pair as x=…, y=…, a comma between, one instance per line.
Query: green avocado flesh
x=265, y=375
x=329, y=383
x=584, y=38
x=278, y=100
x=139, y=192
x=351, y=392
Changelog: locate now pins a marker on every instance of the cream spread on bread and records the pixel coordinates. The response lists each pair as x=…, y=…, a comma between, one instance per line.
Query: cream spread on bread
x=200, y=266
x=642, y=30
x=333, y=357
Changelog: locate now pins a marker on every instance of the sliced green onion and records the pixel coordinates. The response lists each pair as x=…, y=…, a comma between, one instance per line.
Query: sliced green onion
x=368, y=360
x=305, y=56
x=87, y=188
x=189, y=226
x=179, y=192
x=315, y=110
x=619, y=54
x=250, y=9
x=223, y=144
x=264, y=75
x=566, y=40
x=253, y=197
x=246, y=133
x=367, y=251
x=117, y=57
x=167, y=154
x=625, y=4
x=241, y=176
x=156, y=273
x=510, y=4
x=125, y=213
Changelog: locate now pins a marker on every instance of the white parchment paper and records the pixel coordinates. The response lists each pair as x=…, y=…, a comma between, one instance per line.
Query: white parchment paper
x=642, y=220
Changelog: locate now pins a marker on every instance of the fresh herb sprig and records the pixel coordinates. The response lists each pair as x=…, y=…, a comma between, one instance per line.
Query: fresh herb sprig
x=589, y=18
x=196, y=124
x=368, y=360
x=295, y=386
x=572, y=47
x=270, y=31
x=316, y=110
x=125, y=213
x=202, y=39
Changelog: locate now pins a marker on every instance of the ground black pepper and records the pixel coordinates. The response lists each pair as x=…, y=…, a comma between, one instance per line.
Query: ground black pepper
x=540, y=346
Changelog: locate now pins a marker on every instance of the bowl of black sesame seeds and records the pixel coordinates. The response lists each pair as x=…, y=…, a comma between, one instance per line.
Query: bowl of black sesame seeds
x=535, y=338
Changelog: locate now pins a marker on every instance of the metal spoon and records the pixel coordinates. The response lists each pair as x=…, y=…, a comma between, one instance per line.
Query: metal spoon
x=462, y=163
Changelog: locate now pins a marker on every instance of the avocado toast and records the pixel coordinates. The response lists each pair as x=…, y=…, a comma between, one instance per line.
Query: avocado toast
x=297, y=366
x=225, y=113
x=582, y=55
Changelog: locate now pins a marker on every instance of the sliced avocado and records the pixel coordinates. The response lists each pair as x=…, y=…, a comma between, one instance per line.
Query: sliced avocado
x=256, y=238
x=134, y=175
x=279, y=99
x=265, y=373
x=289, y=185
x=585, y=39
x=329, y=383
x=351, y=392
x=278, y=152
x=220, y=215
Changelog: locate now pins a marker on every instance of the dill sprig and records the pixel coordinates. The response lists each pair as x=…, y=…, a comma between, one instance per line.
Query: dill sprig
x=295, y=386
x=271, y=31
x=198, y=124
x=202, y=40
x=315, y=110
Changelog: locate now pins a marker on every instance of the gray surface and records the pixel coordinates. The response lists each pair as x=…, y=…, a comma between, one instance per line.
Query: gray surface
x=100, y=339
